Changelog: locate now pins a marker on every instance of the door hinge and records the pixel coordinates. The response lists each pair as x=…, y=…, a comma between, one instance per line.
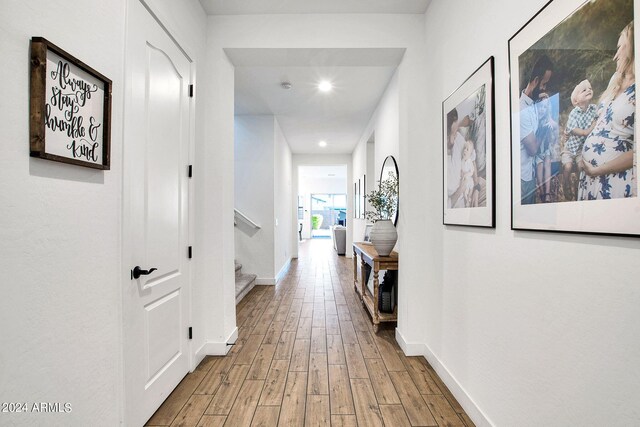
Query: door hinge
x=190, y=251
x=190, y=171
x=190, y=333
x=190, y=91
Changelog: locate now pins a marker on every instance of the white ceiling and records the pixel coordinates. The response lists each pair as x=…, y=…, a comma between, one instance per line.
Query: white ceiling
x=306, y=115
x=250, y=7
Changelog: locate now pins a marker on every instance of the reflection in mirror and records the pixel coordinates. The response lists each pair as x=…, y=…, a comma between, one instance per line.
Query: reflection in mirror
x=390, y=166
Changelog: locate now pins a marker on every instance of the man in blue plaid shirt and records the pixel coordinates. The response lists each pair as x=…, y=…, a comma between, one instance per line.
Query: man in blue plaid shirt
x=579, y=125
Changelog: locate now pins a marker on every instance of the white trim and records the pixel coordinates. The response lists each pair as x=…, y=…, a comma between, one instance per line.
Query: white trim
x=409, y=349
x=265, y=281
x=213, y=348
x=197, y=358
x=283, y=270
x=239, y=215
x=467, y=403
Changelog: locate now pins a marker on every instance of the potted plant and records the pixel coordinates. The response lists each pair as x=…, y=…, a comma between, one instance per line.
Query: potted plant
x=316, y=222
x=384, y=202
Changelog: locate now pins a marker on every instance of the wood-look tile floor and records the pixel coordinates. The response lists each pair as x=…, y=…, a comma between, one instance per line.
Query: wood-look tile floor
x=306, y=355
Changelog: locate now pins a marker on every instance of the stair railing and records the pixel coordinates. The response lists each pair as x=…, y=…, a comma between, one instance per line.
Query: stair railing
x=239, y=216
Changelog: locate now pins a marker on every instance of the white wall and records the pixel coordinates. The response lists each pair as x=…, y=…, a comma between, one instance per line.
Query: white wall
x=360, y=154
x=325, y=185
x=283, y=199
x=384, y=125
x=59, y=230
x=215, y=200
x=254, y=184
x=262, y=161
x=293, y=31
x=60, y=225
x=538, y=329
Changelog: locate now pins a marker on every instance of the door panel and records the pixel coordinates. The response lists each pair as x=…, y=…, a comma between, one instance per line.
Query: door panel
x=163, y=335
x=163, y=177
x=155, y=222
x=162, y=207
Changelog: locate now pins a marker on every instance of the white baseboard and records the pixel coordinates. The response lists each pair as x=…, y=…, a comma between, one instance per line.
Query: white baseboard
x=279, y=276
x=233, y=336
x=467, y=403
x=213, y=348
x=198, y=357
x=283, y=270
x=409, y=349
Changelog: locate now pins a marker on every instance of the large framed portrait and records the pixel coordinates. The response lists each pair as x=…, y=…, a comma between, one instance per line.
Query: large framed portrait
x=468, y=151
x=573, y=105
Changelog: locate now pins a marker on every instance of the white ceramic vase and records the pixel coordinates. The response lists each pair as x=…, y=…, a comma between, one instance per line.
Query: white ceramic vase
x=383, y=236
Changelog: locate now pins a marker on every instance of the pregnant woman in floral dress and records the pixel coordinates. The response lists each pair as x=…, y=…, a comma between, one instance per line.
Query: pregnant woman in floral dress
x=608, y=153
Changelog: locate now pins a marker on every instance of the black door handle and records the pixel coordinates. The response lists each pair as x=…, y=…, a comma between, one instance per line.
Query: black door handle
x=137, y=272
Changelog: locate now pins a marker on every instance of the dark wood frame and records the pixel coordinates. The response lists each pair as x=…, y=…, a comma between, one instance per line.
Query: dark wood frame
x=37, y=128
x=491, y=144
x=511, y=111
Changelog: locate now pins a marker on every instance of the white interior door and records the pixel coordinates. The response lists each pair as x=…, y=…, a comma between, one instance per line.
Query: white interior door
x=155, y=225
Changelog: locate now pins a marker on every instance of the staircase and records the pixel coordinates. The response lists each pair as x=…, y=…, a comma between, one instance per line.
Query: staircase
x=244, y=282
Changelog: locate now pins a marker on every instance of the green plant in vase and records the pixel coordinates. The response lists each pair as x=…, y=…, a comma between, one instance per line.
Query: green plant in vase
x=316, y=221
x=384, y=202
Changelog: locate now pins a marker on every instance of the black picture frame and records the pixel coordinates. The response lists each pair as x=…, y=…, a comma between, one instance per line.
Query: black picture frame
x=356, y=199
x=468, y=126
x=562, y=33
x=363, y=199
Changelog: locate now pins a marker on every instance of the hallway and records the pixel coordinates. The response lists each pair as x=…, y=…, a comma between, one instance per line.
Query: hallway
x=306, y=355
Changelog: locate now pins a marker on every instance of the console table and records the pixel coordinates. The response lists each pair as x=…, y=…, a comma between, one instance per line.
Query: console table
x=366, y=254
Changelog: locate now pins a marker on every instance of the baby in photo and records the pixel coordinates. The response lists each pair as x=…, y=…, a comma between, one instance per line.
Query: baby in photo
x=468, y=171
x=579, y=125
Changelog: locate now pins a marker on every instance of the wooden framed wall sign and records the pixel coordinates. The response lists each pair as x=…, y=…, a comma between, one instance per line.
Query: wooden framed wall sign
x=70, y=118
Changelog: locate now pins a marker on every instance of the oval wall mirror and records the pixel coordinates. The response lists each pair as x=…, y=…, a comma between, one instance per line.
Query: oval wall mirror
x=391, y=167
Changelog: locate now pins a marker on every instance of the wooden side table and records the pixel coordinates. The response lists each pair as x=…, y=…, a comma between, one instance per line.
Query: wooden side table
x=367, y=255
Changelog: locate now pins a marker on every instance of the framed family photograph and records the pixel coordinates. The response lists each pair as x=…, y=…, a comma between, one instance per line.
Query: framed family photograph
x=468, y=151
x=573, y=104
x=70, y=103
x=363, y=193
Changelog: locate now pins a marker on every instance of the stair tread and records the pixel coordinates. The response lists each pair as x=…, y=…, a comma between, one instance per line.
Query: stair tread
x=238, y=266
x=243, y=281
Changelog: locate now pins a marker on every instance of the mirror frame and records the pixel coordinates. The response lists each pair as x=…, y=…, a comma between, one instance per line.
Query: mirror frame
x=395, y=165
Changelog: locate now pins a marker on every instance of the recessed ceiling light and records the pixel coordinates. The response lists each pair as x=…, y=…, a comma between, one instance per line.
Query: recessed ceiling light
x=322, y=143
x=325, y=86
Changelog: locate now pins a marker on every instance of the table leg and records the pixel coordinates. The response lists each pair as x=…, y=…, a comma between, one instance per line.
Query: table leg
x=374, y=315
x=355, y=271
x=363, y=278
